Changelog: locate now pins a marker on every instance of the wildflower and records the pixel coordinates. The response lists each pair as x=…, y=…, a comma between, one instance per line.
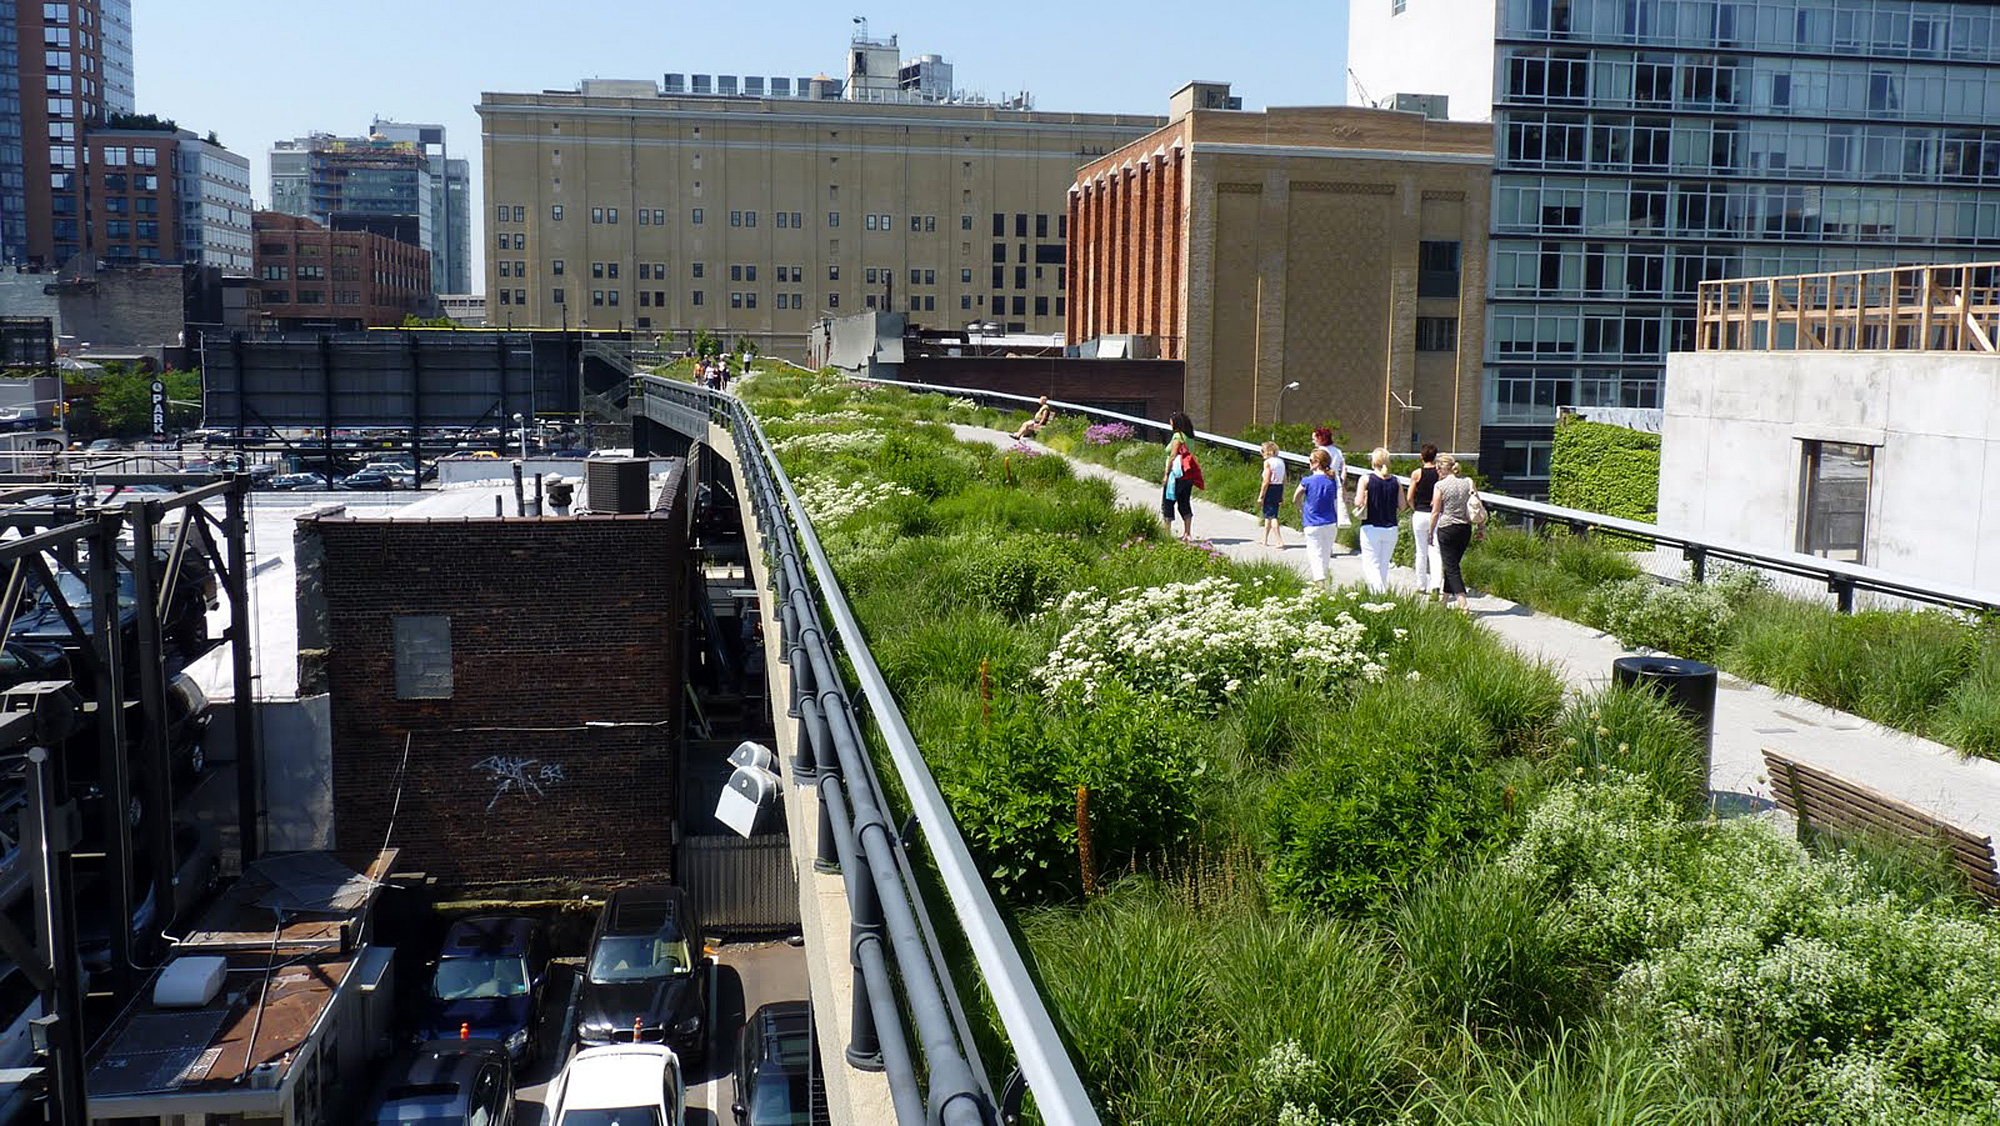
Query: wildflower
x=1413, y=676
x=1603, y=732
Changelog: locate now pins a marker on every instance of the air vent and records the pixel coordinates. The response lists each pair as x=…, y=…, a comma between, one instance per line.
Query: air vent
x=618, y=485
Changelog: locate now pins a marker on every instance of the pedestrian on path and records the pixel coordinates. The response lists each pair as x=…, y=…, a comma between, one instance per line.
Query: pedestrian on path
x=1430, y=568
x=1377, y=502
x=1178, y=483
x=1454, y=506
x=1337, y=466
x=1274, y=494
x=1318, y=495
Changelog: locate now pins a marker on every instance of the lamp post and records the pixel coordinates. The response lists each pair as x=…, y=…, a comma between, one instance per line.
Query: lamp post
x=1278, y=415
x=522, y=425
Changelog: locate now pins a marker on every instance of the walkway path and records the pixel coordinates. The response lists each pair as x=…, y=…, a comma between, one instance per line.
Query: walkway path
x=1748, y=717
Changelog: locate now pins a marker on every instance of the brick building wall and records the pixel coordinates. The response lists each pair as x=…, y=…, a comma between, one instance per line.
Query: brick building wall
x=1147, y=388
x=351, y=279
x=554, y=624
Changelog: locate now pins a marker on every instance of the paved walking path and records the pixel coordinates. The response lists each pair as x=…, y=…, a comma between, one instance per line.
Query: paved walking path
x=1748, y=717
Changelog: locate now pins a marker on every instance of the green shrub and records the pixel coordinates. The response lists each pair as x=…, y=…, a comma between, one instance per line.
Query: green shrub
x=1894, y=667
x=1969, y=718
x=948, y=647
x=1512, y=696
x=1686, y=621
x=1636, y=732
x=1553, y=574
x=1602, y=468
x=1479, y=950
x=1394, y=791
x=1016, y=576
x=1012, y=787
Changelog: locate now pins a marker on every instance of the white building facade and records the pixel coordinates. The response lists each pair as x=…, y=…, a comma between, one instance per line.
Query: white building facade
x=214, y=197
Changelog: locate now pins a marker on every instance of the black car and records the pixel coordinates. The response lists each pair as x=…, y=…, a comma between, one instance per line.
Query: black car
x=446, y=1083
x=778, y=1081
x=646, y=978
x=185, y=626
x=368, y=479
x=487, y=983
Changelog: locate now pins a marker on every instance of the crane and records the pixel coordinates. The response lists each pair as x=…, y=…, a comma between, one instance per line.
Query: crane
x=1361, y=90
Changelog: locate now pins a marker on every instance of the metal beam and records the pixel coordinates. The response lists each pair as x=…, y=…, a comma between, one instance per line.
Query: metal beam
x=113, y=782
x=154, y=750
x=249, y=767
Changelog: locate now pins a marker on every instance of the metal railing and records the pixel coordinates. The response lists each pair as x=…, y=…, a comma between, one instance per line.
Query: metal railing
x=1939, y=308
x=1842, y=579
x=886, y=903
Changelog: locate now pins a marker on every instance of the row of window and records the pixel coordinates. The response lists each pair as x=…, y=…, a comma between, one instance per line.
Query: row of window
x=1701, y=147
x=747, y=299
x=1886, y=28
x=657, y=216
x=1523, y=270
x=312, y=297
x=1808, y=87
x=1749, y=211
x=1530, y=395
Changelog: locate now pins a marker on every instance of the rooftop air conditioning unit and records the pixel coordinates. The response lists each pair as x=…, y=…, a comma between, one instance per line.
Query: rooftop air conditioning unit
x=189, y=983
x=618, y=486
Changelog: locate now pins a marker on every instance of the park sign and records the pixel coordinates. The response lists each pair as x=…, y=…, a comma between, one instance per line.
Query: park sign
x=159, y=410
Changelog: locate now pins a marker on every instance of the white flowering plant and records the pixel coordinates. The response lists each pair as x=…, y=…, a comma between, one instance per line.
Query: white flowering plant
x=1198, y=642
x=830, y=501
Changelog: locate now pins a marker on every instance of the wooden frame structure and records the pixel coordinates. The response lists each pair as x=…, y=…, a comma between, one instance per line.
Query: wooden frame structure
x=1947, y=308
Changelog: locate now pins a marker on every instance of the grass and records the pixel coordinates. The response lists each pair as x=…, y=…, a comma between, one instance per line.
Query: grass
x=1458, y=897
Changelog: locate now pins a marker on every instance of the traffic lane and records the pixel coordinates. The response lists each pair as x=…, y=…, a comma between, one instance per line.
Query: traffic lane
x=745, y=977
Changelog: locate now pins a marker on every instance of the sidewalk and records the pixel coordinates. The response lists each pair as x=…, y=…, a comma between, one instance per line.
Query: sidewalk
x=1748, y=717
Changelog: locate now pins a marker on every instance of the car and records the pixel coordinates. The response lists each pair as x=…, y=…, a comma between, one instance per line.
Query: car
x=367, y=479
x=646, y=977
x=185, y=627
x=777, y=1080
x=104, y=446
x=619, y=1085
x=197, y=871
x=487, y=981
x=295, y=481
x=446, y=1083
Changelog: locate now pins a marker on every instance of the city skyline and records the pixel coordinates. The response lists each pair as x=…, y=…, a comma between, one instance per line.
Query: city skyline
x=414, y=63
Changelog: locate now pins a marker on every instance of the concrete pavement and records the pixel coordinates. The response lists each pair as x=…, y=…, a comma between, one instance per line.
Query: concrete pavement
x=1748, y=717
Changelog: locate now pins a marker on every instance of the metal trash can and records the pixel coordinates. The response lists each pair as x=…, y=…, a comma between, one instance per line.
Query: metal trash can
x=1688, y=685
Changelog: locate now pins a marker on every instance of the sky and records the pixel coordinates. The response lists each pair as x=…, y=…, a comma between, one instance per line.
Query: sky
x=256, y=77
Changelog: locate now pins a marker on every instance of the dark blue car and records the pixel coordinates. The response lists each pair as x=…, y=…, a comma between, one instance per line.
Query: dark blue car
x=487, y=983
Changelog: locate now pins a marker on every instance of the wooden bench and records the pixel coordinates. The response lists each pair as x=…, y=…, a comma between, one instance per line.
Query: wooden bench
x=1819, y=799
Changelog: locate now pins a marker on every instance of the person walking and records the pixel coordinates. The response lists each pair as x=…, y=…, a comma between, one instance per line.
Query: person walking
x=1453, y=521
x=1430, y=569
x=1318, y=495
x=1274, y=494
x=1177, y=485
x=1336, y=466
x=1377, y=501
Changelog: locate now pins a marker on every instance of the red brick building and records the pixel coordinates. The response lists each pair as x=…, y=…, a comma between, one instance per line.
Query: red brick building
x=134, y=192
x=311, y=277
x=505, y=693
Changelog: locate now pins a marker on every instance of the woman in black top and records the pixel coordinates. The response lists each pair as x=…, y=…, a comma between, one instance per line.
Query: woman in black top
x=1430, y=566
x=1377, y=502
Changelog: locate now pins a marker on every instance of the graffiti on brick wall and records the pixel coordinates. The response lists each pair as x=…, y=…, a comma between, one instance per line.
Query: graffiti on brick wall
x=516, y=774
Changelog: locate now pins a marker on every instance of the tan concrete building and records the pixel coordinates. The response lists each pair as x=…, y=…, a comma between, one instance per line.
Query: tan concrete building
x=756, y=216
x=1340, y=249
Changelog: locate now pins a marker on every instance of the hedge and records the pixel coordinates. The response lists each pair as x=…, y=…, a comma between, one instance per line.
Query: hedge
x=1603, y=468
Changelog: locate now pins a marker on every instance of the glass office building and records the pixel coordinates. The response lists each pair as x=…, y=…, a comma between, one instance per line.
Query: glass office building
x=1645, y=145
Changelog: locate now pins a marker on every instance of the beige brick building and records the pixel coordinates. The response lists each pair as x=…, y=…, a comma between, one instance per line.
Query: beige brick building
x=752, y=216
x=1342, y=249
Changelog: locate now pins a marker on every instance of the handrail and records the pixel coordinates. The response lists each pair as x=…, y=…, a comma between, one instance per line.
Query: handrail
x=1842, y=579
x=870, y=853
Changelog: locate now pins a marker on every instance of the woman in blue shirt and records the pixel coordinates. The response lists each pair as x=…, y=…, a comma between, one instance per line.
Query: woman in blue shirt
x=1318, y=495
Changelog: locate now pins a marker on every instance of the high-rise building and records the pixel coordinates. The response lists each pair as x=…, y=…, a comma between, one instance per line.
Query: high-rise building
x=215, y=207
x=451, y=203
x=68, y=68
x=758, y=216
x=1645, y=145
x=357, y=183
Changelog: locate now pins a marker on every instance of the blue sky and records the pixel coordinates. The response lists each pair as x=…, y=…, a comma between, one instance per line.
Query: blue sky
x=255, y=77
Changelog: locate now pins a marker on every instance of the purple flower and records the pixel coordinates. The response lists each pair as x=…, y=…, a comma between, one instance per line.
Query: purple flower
x=1105, y=433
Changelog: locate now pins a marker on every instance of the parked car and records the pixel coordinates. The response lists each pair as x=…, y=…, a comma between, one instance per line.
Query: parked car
x=367, y=479
x=186, y=625
x=646, y=977
x=619, y=1085
x=487, y=981
x=295, y=481
x=23, y=661
x=446, y=1083
x=104, y=446
x=197, y=870
x=777, y=1067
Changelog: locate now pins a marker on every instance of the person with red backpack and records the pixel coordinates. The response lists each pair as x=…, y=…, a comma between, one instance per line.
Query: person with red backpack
x=1182, y=477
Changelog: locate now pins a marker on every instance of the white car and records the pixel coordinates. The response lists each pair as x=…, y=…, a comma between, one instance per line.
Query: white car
x=619, y=1085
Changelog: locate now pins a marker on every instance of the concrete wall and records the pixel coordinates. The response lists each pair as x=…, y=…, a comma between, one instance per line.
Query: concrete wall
x=1147, y=388
x=1430, y=47
x=1732, y=436
x=555, y=754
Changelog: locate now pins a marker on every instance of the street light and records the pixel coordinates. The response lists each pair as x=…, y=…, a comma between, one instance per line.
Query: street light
x=1278, y=415
x=522, y=425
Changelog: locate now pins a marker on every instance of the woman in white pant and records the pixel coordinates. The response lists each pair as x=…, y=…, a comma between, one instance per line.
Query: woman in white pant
x=1423, y=483
x=1378, y=501
x=1318, y=496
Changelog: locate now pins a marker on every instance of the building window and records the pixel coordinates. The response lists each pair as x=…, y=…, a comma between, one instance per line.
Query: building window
x=868, y=221
x=736, y=218
x=555, y=212
x=784, y=219
x=597, y=215
x=659, y=216
x=833, y=273
x=645, y=271
x=612, y=297
x=520, y=213
x=611, y=269
x=735, y=273
x=965, y=222
x=645, y=217
x=1437, y=334
x=660, y=298
x=1437, y=269
x=520, y=240
x=597, y=297
x=611, y=215
x=750, y=301
x=698, y=268
x=965, y=301
x=422, y=644
x=697, y=216
x=798, y=219
x=1041, y=306
x=1396, y=7
x=597, y=269
x=506, y=268
x=558, y=297
x=556, y=267
x=277, y=297
x=833, y=218
x=833, y=300
x=736, y=299
x=882, y=222
x=1833, y=499
x=506, y=297
x=696, y=297
x=749, y=218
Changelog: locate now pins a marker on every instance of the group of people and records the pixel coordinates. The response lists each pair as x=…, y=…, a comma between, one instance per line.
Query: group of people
x=712, y=373
x=1445, y=513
